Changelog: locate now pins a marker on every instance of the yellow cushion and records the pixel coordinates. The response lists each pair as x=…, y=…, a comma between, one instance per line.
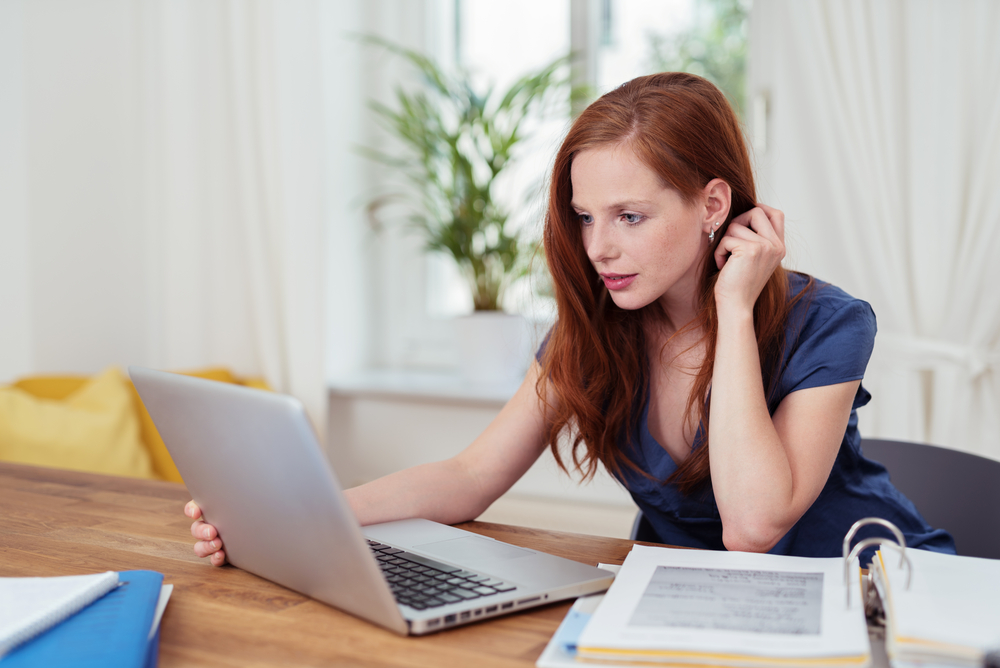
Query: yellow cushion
x=52, y=387
x=92, y=427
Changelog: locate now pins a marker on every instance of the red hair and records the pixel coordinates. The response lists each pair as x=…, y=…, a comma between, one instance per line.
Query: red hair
x=683, y=129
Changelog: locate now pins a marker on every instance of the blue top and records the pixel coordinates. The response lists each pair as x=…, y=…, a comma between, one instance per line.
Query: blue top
x=828, y=340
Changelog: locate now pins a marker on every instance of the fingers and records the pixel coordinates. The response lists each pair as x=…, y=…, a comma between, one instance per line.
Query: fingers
x=192, y=510
x=203, y=530
x=205, y=548
x=764, y=220
x=211, y=549
x=737, y=231
x=775, y=217
x=754, y=234
x=762, y=224
x=209, y=545
x=725, y=248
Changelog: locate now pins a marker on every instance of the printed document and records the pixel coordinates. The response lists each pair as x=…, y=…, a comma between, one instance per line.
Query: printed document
x=732, y=608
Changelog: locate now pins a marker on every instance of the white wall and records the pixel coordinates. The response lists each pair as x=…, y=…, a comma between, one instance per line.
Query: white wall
x=16, y=351
x=73, y=272
x=117, y=186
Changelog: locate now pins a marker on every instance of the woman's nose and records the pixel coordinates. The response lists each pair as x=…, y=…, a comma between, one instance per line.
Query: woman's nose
x=599, y=242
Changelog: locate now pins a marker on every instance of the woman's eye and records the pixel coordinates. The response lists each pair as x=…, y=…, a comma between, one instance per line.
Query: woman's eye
x=632, y=218
x=585, y=218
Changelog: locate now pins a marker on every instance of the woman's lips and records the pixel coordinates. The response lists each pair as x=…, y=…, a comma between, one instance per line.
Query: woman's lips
x=617, y=281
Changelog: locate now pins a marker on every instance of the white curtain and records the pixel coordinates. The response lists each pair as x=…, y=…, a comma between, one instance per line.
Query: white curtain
x=883, y=147
x=234, y=166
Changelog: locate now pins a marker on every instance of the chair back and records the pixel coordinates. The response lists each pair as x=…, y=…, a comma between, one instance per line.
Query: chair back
x=955, y=491
x=642, y=530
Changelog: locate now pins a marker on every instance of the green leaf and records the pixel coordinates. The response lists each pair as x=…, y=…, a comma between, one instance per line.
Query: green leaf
x=456, y=140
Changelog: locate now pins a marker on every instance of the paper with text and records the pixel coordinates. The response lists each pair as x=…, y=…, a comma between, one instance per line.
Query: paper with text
x=732, y=600
x=732, y=608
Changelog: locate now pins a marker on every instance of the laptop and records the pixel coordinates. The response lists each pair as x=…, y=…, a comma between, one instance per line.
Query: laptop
x=251, y=460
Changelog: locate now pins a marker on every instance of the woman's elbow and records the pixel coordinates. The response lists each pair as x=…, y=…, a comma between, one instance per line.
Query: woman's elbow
x=748, y=537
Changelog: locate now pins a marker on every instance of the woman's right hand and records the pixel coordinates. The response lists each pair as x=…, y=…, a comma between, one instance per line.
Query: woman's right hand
x=209, y=544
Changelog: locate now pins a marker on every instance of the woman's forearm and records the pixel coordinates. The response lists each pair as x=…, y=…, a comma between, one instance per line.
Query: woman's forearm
x=441, y=491
x=462, y=487
x=751, y=474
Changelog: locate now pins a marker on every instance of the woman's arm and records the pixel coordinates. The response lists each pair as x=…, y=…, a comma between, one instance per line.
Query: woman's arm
x=766, y=472
x=450, y=491
x=462, y=487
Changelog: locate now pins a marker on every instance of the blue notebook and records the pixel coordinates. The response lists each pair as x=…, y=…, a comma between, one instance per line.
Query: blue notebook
x=112, y=632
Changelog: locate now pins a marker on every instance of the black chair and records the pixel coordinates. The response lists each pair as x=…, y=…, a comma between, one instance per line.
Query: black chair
x=955, y=491
x=643, y=530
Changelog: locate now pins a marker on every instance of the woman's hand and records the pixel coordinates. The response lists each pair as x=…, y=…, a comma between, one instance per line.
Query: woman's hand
x=748, y=254
x=209, y=544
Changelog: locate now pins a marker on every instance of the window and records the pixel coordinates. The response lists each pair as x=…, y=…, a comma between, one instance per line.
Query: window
x=417, y=294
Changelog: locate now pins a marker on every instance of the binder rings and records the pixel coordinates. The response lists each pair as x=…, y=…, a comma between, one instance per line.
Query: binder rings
x=115, y=631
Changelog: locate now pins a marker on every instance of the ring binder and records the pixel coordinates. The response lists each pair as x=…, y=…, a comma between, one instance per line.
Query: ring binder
x=947, y=616
x=851, y=554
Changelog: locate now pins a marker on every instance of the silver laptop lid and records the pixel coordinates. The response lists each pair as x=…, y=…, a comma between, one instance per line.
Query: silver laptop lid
x=251, y=460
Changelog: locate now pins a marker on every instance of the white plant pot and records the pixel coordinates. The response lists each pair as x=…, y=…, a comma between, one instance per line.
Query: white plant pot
x=493, y=346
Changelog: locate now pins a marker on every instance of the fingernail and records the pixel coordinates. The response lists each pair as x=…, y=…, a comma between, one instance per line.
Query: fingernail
x=207, y=533
x=212, y=545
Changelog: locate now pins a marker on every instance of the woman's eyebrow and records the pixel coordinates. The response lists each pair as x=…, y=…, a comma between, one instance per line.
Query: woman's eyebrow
x=624, y=204
x=629, y=203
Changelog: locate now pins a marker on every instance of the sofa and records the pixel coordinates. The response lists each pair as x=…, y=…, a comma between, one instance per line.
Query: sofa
x=89, y=423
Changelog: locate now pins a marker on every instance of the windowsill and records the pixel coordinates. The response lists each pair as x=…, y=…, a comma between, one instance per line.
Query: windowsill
x=433, y=386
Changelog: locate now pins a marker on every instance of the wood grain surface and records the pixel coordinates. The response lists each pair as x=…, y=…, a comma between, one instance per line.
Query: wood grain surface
x=55, y=522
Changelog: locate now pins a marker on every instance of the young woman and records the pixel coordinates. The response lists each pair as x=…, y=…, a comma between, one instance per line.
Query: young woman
x=717, y=387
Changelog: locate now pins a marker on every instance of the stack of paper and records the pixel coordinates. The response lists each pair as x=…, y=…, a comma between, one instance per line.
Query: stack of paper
x=724, y=609
x=950, y=612
x=108, y=619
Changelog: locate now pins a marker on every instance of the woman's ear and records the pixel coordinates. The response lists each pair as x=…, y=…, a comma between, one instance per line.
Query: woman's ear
x=717, y=197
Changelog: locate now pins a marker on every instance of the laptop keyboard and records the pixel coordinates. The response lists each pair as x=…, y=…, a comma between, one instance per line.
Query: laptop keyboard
x=423, y=583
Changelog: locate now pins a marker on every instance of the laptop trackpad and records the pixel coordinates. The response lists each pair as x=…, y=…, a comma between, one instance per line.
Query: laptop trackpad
x=471, y=549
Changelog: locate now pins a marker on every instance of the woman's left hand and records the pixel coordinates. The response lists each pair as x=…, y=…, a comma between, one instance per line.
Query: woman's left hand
x=748, y=254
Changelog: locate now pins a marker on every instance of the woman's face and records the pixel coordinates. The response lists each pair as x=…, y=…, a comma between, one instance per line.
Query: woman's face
x=644, y=240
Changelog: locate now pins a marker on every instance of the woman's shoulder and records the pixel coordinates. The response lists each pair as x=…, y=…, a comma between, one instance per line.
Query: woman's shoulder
x=829, y=336
x=815, y=303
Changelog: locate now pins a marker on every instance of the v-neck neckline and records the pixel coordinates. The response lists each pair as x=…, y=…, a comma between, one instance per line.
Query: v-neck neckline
x=662, y=464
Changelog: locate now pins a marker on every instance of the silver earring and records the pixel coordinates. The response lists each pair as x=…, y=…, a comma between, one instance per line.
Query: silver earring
x=711, y=235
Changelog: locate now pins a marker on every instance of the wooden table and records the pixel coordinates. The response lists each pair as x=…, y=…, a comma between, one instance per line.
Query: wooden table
x=55, y=522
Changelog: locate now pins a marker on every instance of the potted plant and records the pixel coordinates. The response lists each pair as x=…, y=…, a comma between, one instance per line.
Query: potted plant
x=457, y=141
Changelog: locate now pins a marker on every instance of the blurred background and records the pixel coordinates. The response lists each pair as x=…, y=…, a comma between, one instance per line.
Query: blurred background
x=191, y=184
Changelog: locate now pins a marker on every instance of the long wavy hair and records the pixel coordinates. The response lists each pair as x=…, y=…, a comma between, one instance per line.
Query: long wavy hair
x=683, y=129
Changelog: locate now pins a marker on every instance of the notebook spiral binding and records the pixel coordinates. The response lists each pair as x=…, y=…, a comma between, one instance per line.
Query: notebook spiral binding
x=851, y=554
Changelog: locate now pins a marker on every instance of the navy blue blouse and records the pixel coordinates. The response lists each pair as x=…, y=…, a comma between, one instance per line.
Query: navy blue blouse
x=828, y=340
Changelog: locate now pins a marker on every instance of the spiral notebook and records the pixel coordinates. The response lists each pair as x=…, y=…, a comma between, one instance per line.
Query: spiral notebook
x=30, y=606
x=117, y=626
